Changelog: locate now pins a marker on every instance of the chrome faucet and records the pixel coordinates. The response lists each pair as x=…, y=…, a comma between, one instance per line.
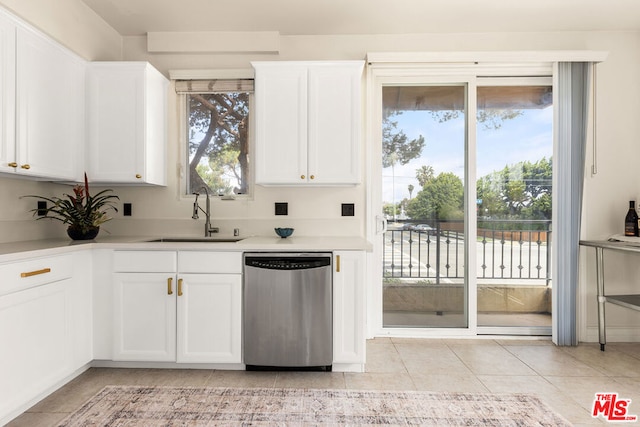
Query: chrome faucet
x=208, y=229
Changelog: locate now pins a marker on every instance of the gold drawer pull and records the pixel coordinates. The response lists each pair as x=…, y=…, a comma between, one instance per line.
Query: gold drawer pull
x=179, y=287
x=138, y=176
x=312, y=177
x=35, y=273
x=302, y=177
x=337, y=263
x=26, y=166
x=169, y=286
x=13, y=165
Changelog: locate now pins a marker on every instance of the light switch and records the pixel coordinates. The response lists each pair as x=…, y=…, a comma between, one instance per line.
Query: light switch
x=282, y=208
x=348, y=209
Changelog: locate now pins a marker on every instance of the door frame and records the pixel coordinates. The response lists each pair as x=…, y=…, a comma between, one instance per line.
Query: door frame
x=416, y=74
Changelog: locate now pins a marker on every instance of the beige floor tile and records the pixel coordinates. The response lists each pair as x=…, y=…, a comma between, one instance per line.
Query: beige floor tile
x=384, y=358
x=518, y=384
x=448, y=382
x=611, y=362
x=330, y=380
x=481, y=360
x=505, y=342
x=378, y=381
x=423, y=351
x=33, y=419
x=551, y=360
x=571, y=410
x=632, y=349
x=584, y=389
x=435, y=361
x=566, y=378
x=242, y=379
x=421, y=342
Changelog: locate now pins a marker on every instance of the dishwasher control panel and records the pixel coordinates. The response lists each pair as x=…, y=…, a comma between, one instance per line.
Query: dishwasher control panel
x=287, y=262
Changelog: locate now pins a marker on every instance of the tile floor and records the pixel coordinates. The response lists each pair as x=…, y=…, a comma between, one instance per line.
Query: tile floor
x=565, y=377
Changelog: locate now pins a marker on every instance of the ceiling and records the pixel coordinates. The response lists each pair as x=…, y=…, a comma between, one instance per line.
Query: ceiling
x=326, y=17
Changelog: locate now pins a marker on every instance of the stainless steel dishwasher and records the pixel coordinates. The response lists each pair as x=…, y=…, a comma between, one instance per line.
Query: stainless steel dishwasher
x=287, y=310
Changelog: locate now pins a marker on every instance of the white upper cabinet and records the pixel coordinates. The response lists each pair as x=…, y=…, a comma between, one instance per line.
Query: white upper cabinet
x=308, y=122
x=42, y=104
x=7, y=93
x=127, y=120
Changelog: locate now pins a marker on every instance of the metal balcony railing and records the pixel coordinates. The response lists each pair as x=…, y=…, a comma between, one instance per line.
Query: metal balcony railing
x=506, y=249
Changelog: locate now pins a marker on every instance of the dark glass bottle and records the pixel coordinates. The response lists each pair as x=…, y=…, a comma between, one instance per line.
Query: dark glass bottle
x=631, y=220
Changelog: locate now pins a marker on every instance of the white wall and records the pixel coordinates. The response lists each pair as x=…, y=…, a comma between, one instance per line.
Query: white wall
x=72, y=24
x=618, y=105
x=77, y=27
x=317, y=211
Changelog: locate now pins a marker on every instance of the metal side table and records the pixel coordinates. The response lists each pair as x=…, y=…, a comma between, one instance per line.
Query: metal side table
x=629, y=301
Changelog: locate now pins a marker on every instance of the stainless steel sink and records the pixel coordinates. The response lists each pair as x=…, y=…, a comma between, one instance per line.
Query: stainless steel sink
x=198, y=239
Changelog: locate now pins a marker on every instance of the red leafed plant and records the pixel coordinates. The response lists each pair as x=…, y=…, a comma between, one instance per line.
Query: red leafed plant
x=81, y=211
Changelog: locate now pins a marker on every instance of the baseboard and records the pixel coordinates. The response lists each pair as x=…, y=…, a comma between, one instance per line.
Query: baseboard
x=167, y=365
x=614, y=334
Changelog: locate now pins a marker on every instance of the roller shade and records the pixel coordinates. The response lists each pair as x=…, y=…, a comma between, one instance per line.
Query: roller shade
x=214, y=86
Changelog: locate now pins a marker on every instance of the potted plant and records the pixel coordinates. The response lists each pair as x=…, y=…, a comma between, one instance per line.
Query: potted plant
x=82, y=212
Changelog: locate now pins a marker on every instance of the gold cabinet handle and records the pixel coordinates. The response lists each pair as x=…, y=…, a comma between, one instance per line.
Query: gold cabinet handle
x=138, y=176
x=179, y=287
x=302, y=177
x=337, y=263
x=26, y=166
x=13, y=165
x=170, y=286
x=312, y=177
x=35, y=273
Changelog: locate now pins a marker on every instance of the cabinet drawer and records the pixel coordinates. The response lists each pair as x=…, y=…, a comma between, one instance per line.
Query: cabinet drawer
x=144, y=261
x=209, y=262
x=26, y=274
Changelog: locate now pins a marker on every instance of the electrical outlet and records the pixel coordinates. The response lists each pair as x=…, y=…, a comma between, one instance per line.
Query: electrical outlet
x=348, y=209
x=282, y=208
x=126, y=209
x=42, y=208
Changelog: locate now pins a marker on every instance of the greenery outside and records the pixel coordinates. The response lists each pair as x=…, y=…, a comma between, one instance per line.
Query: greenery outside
x=219, y=142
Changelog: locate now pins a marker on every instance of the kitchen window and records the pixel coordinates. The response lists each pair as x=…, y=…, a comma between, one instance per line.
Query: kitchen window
x=218, y=134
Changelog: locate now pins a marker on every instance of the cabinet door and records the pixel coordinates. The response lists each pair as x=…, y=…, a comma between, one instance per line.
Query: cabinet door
x=209, y=318
x=116, y=122
x=334, y=123
x=349, y=342
x=50, y=112
x=7, y=93
x=144, y=317
x=281, y=124
x=34, y=337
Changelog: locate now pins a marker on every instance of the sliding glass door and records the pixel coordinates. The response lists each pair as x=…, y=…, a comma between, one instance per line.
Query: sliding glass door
x=465, y=199
x=423, y=186
x=514, y=140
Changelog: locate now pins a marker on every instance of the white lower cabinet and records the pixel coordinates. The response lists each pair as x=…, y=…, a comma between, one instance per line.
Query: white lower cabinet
x=144, y=314
x=171, y=316
x=209, y=318
x=349, y=341
x=44, y=329
x=34, y=336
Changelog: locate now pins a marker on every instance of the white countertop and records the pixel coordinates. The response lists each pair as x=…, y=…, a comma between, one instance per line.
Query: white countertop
x=14, y=251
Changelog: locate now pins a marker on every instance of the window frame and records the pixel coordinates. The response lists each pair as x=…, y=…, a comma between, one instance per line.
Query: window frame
x=183, y=155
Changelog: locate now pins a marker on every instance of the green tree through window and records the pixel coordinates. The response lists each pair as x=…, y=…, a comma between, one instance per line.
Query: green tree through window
x=219, y=142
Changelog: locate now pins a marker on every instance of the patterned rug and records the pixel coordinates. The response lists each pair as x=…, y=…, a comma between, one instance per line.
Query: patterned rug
x=187, y=406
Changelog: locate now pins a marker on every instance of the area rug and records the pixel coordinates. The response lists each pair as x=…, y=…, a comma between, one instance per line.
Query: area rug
x=187, y=406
